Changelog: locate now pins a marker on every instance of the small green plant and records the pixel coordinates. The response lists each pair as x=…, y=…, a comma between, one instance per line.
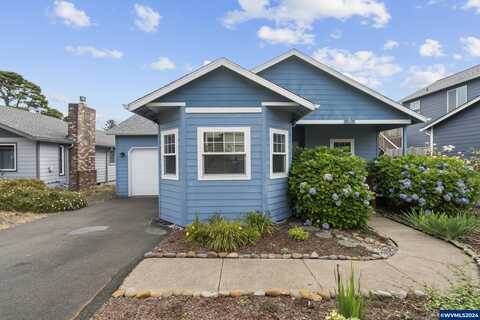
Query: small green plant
x=195, y=231
x=349, y=299
x=443, y=225
x=224, y=235
x=260, y=221
x=466, y=297
x=334, y=315
x=284, y=251
x=298, y=233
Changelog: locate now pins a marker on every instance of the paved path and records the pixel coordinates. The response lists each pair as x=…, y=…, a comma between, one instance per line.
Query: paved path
x=50, y=268
x=421, y=260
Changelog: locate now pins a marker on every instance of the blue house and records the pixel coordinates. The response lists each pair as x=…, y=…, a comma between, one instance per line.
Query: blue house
x=225, y=134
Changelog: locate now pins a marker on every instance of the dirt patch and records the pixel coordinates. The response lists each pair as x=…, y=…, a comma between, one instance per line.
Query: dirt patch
x=101, y=192
x=9, y=219
x=251, y=308
x=473, y=240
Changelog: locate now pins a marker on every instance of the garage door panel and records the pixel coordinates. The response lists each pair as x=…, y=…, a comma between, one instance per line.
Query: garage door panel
x=144, y=172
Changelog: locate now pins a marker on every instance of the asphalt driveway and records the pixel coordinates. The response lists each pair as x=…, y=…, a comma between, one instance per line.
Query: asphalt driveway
x=52, y=268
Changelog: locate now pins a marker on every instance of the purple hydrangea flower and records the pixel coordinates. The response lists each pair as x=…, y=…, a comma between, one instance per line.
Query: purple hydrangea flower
x=335, y=196
x=422, y=202
x=357, y=194
x=391, y=190
x=366, y=202
x=423, y=191
x=439, y=183
x=338, y=203
x=427, y=212
x=326, y=226
x=312, y=191
x=447, y=198
x=439, y=190
x=327, y=177
x=402, y=196
x=303, y=185
x=414, y=197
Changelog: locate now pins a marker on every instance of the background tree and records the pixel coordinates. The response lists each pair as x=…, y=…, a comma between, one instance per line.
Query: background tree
x=16, y=91
x=110, y=124
x=52, y=112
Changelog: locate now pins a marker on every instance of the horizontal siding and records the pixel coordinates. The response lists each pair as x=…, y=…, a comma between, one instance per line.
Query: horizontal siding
x=26, y=157
x=49, y=165
x=111, y=174
x=101, y=164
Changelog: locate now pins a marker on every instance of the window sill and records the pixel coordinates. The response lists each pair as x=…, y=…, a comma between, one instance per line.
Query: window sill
x=169, y=177
x=278, y=175
x=8, y=170
x=223, y=177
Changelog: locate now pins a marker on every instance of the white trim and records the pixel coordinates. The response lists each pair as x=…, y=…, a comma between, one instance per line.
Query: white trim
x=282, y=174
x=210, y=67
x=166, y=104
x=61, y=168
x=340, y=76
x=321, y=122
x=387, y=121
x=279, y=104
x=223, y=110
x=200, y=153
x=456, y=97
x=451, y=113
x=129, y=153
x=14, y=145
x=351, y=141
x=164, y=175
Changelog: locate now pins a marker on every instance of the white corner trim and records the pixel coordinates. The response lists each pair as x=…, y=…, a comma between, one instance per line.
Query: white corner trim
x=129, y=159
x=200, y=152
x=451, y=113
x=339, y=76
x=351, y=141
x=166, y=104
x=279, y=104
x=210, y=67
x=61, y=167
x=321, y=122
x=14, y=145
x=283, y=174
x=223, y=110
x=166, y=176
x=387, y=121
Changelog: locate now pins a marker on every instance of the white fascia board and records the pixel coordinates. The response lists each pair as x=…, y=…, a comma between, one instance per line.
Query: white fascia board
x=388, y=121
x=451, y=113
x=321, y=122
x=339, y=76
x=223, y=110
x=279, y=104
x=210, y=67
x=166, y=104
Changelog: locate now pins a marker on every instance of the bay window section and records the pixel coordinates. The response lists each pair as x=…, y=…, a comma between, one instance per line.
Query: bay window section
x=169, y=154
x=278, y=153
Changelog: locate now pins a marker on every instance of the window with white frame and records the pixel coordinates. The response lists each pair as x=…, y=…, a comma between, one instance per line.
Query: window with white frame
x=347, y=144
x=61, y=160
x=415, y=105
x=111, y=157
x=8, y=157
x=456, y=97
x=169, y=150
x=278, y=153
x=223, y=153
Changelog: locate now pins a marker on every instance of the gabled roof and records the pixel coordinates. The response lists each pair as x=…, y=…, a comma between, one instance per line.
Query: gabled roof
x=451, y=113
x=340, y=76
x=450, y=81
x=222, y=62
x=135, y=126
x=36, y=126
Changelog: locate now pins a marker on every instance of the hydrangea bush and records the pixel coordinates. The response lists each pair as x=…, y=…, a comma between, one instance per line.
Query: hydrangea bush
x=439, y=183
x=328, y=187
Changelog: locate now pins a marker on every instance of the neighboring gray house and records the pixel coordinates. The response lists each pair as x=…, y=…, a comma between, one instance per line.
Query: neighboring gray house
x=37, y=146
x=451, y=106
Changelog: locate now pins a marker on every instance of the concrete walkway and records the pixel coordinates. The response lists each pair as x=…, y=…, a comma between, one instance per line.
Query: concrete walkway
x=420, y=261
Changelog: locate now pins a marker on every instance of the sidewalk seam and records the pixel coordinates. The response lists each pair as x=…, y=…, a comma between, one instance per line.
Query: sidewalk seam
x=311, y=273
x=220, y=278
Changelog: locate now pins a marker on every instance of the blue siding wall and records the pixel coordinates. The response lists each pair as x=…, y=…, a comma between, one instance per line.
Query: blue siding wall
x=123, y=144
x=337, y=99
x=365, y=137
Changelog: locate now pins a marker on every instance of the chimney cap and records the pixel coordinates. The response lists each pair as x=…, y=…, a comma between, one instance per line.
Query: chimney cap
x=83, y=99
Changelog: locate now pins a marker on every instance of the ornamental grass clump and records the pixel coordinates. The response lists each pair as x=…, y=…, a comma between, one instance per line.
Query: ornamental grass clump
x=328, y=186
x=349, y=299
x=440, y=183
x=261, y=222
x=26, y=195
x=298, y=233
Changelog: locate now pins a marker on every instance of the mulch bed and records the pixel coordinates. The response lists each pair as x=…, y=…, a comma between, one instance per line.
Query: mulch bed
x=274, y=243
x=185, y=308
x=473, y=240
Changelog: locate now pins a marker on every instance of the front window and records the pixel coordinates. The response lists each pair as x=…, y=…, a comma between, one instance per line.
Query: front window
x=346, y=144
x=278, y=153
x=415, y=106
x=8, y=157
x=61, y=160
x=111, y=157
x=224, y=153
x=169, y=151
x=456, y=97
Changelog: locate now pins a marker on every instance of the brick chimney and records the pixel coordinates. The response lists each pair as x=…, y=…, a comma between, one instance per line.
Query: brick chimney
x=81, y=128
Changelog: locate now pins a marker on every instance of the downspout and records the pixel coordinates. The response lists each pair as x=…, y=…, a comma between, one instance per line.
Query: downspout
x=404, y=141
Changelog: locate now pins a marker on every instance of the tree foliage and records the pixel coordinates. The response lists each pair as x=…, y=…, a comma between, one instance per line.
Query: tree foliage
x=16, y=91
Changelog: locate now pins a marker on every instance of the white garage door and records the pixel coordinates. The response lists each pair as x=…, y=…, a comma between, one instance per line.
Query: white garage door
x=144, y=172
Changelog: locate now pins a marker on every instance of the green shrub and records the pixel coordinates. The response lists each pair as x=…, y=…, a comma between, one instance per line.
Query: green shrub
x=261, y=222
x=440, y=183
x=328, y=186
x=466, y=297
x=298, y=233
x=349, y=299
x=443, y=225
x=34, y=196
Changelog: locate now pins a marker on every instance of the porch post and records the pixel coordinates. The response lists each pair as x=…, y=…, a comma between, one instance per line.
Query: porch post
x=404, y=141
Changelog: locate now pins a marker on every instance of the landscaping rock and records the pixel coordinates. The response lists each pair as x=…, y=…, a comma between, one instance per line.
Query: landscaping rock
x=420, y=294
x=191, y=254
x=130, y=292
x=169, y=255
x=286, y=256
x=315, y=297
x=224, y=293
x=222, y=254
x=348, y=243
x=295, y=293
x=235, y=293
x=273, y=292
x=314, y=255
x=381, y=294
x=118, y=293
x=325, y=294
x=272, y=256
x=297, y=255
x=259, y=293
x=400, y=294
x=304, y=293
x=212, y=254
x=333, y=257
x=188, y=293
x=155, y=294
x=245, y=256
x=148, y=254
x=232, y=255
x=208, y=294
x=143, y=294
x=323, y=235
x=181, y=255
x=264, y=255
x=167, y=293
x=202, y=255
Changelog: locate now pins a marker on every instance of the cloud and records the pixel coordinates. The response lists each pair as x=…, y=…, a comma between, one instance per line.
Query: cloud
x=419, y=77
x=70, y=15
x=147, y=19
x=94, y=52
x=390, y=45
x=59, y=98
x=457, y=56
x=336, y=34
x=431, y=48
x=284, y=36
x=163, y=64
x=471, y=45
x=205, y=62
x=473, y=4
x=363, y=66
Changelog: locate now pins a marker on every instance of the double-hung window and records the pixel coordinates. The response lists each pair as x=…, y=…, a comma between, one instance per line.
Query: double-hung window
x=415, y=106
x=278, y=153
x=111, y=157
x=456, y=97
x=223, y=153
x=346, y=144
x=169, y=154
x=8, y=157
x=61, y=160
